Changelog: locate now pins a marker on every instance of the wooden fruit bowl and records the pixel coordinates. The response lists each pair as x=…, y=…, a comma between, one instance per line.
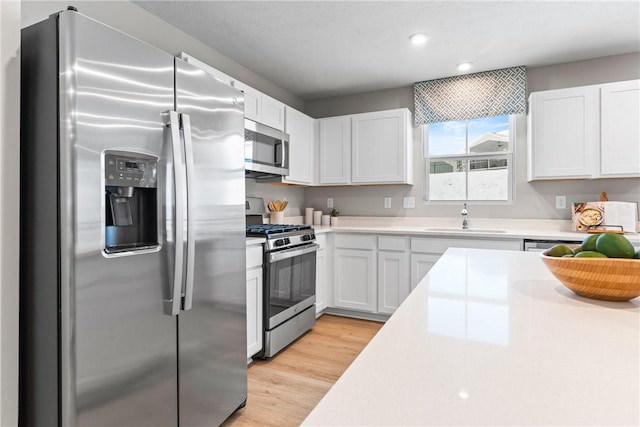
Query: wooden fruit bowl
x=608, y=279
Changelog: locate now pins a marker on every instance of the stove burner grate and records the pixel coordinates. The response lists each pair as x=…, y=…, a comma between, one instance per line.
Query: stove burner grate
x=273, y=229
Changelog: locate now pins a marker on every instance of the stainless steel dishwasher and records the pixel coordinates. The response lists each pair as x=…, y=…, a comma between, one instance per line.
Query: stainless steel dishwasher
x=535, y=245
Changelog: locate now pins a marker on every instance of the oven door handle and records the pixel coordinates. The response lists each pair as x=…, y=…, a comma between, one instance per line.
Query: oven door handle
x=293, y=252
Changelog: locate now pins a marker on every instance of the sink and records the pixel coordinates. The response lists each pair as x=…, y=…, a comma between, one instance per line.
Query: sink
x=468, y=230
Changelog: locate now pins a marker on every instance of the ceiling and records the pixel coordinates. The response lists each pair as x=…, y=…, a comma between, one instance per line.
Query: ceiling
x=318, y=49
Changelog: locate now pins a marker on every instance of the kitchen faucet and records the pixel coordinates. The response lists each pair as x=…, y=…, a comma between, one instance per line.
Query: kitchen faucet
x=464, y=213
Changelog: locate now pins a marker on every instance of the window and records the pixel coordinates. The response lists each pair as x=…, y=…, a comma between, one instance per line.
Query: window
x=470, y=160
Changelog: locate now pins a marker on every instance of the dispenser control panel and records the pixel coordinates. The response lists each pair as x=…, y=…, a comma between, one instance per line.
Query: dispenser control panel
x=123, y=170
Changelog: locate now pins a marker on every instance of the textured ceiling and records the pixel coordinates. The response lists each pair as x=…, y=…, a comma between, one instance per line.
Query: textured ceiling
x=317, y=49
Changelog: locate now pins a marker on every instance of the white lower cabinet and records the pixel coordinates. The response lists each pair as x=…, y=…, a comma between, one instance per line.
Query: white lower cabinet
x=425, y=251
x=323, y=274
x=355, y=272
x=420, y=266
x=393, y=272
x=376, y=273
x=254, y=300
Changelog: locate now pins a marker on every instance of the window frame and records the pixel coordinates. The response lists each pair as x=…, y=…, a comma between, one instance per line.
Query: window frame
x=510, y=155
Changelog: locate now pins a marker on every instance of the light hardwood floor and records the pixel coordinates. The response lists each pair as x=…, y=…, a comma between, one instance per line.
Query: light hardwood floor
x=284, y=389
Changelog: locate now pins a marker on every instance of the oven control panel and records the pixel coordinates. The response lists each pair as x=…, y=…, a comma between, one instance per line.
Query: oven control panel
x=296, y=238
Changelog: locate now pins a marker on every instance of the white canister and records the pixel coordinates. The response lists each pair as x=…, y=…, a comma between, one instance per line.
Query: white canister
x=308, y=216
x=326, y=220
x=317, y=217
x=276, y=217
x=334, y=221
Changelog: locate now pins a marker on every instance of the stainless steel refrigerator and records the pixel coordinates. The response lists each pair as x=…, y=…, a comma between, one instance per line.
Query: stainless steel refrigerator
x=132, y=307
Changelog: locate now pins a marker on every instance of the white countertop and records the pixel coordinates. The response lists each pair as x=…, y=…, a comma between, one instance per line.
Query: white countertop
x=492, y=338
x=451, y=227
x=250, y=241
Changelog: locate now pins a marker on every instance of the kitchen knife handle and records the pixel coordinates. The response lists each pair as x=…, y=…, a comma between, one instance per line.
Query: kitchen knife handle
x=191, y=242
x=172, y=306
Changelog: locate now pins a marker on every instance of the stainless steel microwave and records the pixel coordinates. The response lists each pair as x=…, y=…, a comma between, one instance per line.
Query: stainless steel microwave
x=266, y=151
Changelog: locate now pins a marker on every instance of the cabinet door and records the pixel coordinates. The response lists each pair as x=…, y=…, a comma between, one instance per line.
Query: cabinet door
x=321, y=295
x=272, y=112
x=620, y=129
x=393, y=280
x=254, y=311
x=355, y=279
x=380, y=147
x=299, y=126
x=564, y=133
x=335, y=150
x=420, y=266
x=252, y=101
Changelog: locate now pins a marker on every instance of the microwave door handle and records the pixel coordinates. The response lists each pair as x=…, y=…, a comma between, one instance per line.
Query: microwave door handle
x=285, y=149
x=191, y=241
x=172, y=306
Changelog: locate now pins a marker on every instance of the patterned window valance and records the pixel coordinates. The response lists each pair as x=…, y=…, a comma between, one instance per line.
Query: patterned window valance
x=485, y=94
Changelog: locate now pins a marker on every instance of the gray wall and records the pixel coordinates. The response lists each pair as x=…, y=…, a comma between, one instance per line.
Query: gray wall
x=9, y=209
x=532, y=200
x=132, y=19
x=293, y=194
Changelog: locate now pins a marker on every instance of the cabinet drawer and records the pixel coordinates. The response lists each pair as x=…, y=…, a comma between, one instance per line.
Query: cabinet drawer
x=254, y=256
x=393, y=243
x=440, y=245
x=355, y=241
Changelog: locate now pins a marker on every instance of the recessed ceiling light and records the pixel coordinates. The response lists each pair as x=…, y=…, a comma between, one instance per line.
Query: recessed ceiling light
x=418, y=38
x=464, y=66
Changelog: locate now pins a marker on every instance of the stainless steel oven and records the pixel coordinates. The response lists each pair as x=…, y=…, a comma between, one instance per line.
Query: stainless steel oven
x=289, y=283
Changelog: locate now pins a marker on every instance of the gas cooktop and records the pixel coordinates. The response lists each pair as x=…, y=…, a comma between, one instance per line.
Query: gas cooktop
x=270, y=230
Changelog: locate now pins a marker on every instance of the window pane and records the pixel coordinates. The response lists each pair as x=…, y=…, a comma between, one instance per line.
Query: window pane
x=489, y=183
x=489, y=134
x=447, y=180
x=447, y=138
x=454, y=176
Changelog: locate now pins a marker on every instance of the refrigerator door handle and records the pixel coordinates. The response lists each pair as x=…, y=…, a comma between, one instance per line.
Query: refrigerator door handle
x=191, y=243
x=173, y=305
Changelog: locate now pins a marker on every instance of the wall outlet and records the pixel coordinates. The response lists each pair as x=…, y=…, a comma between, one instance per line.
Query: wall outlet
x=330, y=202
x=408, y=202
x=561, y=202
x=387, y=202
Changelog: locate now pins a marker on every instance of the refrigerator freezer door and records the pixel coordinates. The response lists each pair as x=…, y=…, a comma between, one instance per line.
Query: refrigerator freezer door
x=113, y=90
x=212, y=334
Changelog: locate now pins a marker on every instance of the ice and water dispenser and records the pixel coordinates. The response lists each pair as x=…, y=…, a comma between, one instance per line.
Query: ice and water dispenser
x=131, y=204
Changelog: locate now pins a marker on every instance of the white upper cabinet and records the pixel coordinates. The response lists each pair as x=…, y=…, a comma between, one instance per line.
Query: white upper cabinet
x=381, y=147
x=367, y=148
x=620, y=129
x=585, y=132
x=300, y=128
x=252, y=102
x=272, y=112
x=563, y=133
x=335, y=150
x=261, y=108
